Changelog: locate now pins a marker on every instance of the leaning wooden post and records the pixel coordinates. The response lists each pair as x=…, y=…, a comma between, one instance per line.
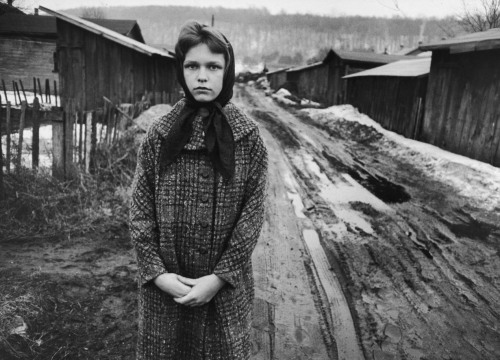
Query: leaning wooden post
x=47, y=91
x=8, y=131
x=22, y=124
x=55, y=92
x=35, y=151
x=40, y=89
x=14, y=91
x=5, y=91
x=34, y=86
x=22, y=88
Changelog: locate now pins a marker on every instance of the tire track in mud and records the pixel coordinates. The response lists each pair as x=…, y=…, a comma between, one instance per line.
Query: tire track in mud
x=415, y=283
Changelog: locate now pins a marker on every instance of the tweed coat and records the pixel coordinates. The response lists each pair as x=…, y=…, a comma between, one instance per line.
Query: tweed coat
x=186, y=219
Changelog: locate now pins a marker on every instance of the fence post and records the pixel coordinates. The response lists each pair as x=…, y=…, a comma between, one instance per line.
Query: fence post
x=90, y=140
x=36, y=135
x=68, y=139
x=22, y=123
x=7, y=130
x=58, y=146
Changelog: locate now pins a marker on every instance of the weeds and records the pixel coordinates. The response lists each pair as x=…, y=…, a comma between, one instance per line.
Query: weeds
x=37, y=208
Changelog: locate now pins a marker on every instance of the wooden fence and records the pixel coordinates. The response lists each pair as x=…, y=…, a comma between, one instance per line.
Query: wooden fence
x=46, y=94
x=76, y=134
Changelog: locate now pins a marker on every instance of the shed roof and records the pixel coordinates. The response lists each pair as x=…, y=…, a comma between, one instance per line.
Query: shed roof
x=277, y=71
x=107, y=33
x=36, y=25
x=367, y=57
x=483, y=40
x=401, y=68
x=310, y=66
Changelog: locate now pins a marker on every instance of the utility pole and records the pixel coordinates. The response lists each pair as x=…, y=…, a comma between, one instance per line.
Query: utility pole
x=213, y=20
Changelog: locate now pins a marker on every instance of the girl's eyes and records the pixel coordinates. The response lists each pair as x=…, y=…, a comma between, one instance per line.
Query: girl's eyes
x=196, y=66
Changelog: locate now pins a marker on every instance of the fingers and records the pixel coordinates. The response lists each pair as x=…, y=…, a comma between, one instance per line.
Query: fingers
x=187, y=281
x=188, y=300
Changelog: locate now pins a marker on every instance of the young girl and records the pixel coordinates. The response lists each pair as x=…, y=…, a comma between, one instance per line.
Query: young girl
x=197, y=211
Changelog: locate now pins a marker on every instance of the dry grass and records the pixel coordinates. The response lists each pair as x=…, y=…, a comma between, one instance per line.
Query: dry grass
x=39, y=207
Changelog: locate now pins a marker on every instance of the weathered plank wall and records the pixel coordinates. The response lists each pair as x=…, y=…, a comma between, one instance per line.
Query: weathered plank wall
x=92, y=67
x=394, y=102
x=277, y=79
x=25, y=59
x=312, y=83
x=462, y=114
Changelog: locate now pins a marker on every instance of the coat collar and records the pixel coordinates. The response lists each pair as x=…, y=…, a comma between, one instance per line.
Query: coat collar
x=241, y=125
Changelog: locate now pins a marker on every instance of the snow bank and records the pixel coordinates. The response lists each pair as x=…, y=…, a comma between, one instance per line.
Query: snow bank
x=145, y=120
x=285, y=97
x=471, y=178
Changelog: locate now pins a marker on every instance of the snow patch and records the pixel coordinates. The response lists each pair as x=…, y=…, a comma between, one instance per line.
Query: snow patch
x=471, y=178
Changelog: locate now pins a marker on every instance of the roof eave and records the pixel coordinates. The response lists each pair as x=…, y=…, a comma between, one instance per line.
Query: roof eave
x=80, y=22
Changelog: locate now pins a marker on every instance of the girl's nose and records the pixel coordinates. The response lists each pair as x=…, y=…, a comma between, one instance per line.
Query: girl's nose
x=202, y=75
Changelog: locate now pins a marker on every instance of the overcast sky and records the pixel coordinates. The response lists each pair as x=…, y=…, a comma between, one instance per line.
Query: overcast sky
x=389, y=8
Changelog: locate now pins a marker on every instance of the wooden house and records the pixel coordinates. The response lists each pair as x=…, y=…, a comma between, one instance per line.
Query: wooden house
x=462, y=113
x=94, y=62
x=322, y=81
x=392, y=94
x=28, y=45
x=276, y=78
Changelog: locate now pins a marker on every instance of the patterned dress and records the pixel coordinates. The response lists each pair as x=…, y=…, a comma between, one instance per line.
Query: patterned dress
x=188, y=220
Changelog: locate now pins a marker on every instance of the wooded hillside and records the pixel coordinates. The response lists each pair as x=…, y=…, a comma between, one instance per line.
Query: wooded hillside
x=260, y=36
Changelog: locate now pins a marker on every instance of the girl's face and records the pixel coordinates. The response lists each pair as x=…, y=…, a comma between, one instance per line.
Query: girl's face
x=204, y=73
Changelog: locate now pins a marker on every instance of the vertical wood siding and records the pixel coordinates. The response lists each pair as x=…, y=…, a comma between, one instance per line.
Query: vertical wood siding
x=277, y=79
x=463, y=111
x=394, y=102
x=92, y=67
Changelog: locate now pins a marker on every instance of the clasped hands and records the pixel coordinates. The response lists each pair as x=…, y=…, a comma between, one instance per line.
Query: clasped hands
x=189, y=292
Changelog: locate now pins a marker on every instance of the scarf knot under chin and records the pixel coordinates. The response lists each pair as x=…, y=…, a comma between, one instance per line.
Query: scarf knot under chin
x=219, y=138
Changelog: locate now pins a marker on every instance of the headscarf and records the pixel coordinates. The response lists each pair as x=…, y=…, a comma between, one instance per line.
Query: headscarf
x=219, y=138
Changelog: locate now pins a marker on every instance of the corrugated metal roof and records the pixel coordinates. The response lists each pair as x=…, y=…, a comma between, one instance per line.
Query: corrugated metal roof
x=483, y=40
x=367, y=56
x=107, y=33
x=46, y=25
x=401, y=68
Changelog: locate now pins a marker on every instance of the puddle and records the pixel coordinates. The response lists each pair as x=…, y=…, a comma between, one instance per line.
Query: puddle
x=379, y=186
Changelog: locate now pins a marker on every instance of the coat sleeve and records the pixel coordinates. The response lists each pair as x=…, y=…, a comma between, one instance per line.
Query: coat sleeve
x=239, y=250
x=143, y=222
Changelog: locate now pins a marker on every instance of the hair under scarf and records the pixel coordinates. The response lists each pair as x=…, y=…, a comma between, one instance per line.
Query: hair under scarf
x=219, y=138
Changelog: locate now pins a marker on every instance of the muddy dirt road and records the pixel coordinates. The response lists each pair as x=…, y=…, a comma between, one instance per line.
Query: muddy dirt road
x=418, y=264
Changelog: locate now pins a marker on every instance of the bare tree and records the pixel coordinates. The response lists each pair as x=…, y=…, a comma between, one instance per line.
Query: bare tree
x=93, y=13
x=487, y=16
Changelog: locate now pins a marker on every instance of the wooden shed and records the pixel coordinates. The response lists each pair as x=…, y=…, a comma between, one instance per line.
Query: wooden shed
x=462, y=113
x=28, y=45
x=392, y=94
x=322, y=81
x=276, y=78
x=95, y=62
